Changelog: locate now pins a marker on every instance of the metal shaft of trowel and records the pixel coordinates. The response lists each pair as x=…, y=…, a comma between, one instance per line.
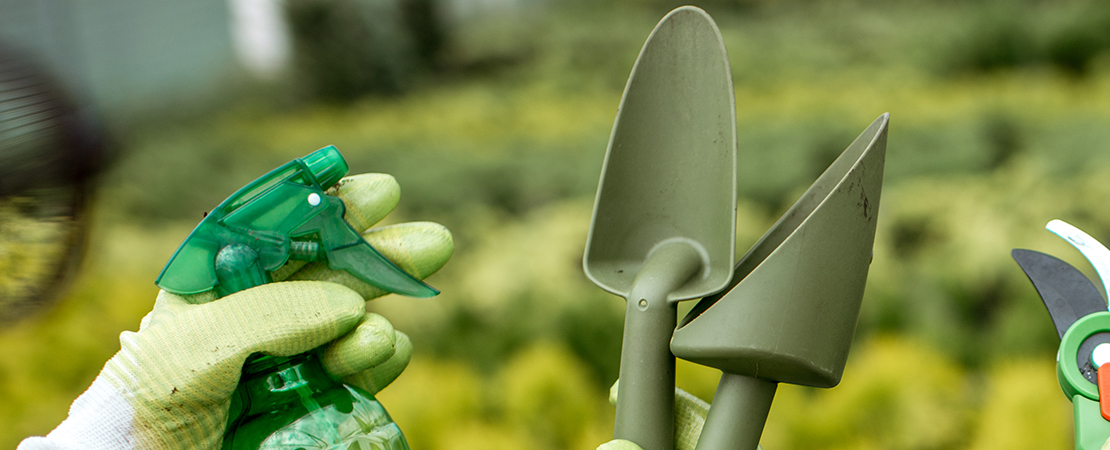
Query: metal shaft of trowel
x=645, y=395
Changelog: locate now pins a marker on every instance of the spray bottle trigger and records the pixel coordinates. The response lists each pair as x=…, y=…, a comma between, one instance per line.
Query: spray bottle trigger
x=345, y=250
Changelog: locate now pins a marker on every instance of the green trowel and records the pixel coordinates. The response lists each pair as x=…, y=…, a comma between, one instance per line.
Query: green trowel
x=792, y=305
x=664, y=222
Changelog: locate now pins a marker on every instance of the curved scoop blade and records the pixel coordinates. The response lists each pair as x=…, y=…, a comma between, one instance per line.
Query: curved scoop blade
x=1066, y=292
x=670, y=169
x=791, y=311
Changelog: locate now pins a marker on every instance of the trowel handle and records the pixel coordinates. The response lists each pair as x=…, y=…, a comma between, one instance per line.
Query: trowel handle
x=645, y=395
x=738, y=413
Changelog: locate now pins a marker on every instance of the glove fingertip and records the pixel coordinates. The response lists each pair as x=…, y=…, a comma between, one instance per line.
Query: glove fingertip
x=368, y=198
x=371, y=343
x=419, y=248
x=619, y=444
x=377, y=378
x=613, y=393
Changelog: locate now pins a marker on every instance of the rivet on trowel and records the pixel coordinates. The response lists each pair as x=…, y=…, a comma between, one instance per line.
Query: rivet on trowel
x=643, y=304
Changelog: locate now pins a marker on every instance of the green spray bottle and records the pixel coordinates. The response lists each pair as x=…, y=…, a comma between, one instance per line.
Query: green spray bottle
x=290, y=402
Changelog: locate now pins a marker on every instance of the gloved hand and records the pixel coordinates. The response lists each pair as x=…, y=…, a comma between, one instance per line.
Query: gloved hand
x=169, y=386
x=689, y=418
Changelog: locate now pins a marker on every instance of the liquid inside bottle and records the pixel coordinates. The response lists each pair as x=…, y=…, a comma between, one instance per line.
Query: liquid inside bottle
x=291, y=403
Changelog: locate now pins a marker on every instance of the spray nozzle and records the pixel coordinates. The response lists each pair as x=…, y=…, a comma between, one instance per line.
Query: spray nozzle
x=285, y=214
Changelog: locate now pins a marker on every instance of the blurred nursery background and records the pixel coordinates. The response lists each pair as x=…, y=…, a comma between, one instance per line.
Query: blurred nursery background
x=494, y=117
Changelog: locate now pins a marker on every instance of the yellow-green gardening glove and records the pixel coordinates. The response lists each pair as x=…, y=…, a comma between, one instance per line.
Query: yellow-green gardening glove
x=689, y=418
x=169, y=386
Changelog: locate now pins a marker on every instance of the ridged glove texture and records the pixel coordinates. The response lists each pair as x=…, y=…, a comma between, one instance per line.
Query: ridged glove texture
x=170, y=384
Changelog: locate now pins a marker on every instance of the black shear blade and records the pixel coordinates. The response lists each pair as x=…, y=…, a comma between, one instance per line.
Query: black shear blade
x=1066, y=292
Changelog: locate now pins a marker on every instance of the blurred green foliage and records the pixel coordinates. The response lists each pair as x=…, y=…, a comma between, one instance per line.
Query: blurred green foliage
x=999, y=124
x=1068, y=37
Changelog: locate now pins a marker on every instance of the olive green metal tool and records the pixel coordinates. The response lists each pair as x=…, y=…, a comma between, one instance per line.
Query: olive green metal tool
x=664, y=222
x=790, y=311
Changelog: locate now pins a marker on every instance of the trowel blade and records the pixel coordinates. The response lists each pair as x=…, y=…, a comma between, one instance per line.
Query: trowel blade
x=670, y=169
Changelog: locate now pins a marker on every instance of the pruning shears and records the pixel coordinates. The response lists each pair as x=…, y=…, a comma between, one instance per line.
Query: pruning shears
x=1082, y=320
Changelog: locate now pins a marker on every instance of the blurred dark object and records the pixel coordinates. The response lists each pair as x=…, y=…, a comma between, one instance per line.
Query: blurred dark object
x=50, y=150
x=344, y=49
x=45, y=139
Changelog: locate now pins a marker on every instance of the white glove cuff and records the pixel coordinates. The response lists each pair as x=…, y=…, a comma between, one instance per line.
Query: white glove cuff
x=99, y=419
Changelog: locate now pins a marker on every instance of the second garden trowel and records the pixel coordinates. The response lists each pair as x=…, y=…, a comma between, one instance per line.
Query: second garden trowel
x=791, y=311
x=663, y=227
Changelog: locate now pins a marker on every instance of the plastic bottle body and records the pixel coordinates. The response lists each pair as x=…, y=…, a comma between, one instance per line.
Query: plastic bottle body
x=293, y=404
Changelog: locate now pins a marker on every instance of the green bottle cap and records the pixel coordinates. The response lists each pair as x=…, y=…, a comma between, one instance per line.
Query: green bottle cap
x=327, y=165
